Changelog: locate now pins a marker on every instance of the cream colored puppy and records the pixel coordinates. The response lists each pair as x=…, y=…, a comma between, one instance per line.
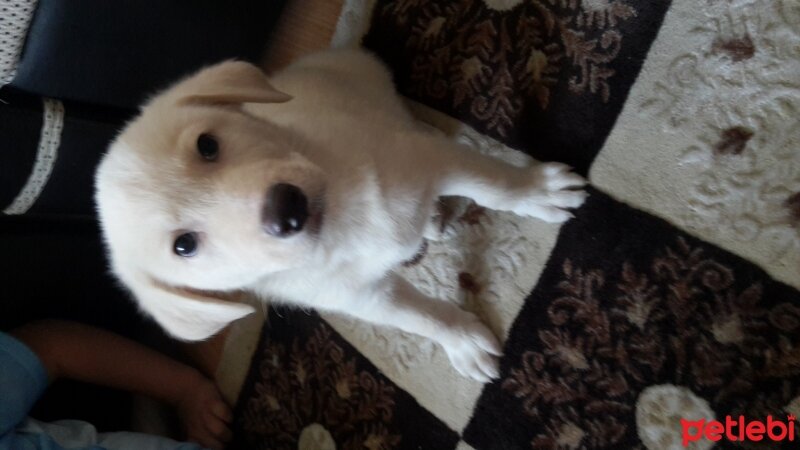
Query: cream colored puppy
x=309, y=188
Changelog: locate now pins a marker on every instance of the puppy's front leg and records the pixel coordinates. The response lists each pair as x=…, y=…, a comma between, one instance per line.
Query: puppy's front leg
x=541, y=190
x=471, y=347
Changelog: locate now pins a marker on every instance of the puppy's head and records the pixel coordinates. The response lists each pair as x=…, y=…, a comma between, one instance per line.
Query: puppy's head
x=198, y=197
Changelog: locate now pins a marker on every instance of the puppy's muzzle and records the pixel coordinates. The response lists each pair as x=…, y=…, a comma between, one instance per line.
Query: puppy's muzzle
x=285, y=211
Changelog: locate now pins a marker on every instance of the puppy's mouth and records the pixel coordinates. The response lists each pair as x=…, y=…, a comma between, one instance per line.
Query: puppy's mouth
x=316, y=214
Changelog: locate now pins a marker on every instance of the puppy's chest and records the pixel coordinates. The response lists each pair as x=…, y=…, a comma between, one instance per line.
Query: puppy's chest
x=382, y=250
x=395, y=242
x=383, y=229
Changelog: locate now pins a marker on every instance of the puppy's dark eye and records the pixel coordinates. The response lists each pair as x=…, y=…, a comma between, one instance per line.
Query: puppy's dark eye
x=185, y=245
x=208, y=147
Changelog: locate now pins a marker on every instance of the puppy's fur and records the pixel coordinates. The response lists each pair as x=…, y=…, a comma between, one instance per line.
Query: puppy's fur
x=333, y=126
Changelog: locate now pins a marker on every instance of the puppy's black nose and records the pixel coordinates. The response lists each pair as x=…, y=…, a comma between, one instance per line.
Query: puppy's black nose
x=285, y=211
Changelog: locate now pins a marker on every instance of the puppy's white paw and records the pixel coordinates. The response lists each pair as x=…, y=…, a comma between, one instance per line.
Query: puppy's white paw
x=472, y=348
x=550, y=190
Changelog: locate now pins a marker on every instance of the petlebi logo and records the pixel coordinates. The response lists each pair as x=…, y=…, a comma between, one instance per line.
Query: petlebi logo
x=739, y=430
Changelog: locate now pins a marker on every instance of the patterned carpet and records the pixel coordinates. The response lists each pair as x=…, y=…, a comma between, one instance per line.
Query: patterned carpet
x=671, y=295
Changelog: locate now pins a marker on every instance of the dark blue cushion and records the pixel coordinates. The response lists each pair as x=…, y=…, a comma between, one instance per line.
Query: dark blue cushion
x=120, y=52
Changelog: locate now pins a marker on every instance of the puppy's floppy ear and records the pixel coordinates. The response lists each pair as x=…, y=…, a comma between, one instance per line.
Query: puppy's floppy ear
x=229, y=82
x=185, y=314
